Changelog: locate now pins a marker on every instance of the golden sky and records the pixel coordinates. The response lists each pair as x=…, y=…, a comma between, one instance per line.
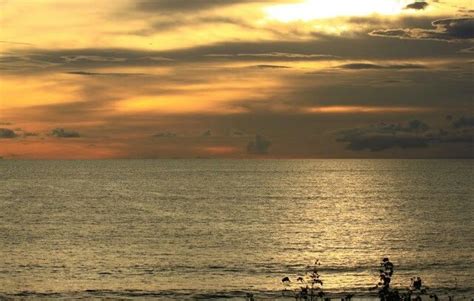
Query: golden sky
x=89, y=79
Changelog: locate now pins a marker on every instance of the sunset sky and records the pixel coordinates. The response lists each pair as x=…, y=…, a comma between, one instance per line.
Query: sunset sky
x=90, y=79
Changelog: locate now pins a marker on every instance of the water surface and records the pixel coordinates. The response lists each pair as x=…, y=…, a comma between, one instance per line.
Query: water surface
x=174, y=228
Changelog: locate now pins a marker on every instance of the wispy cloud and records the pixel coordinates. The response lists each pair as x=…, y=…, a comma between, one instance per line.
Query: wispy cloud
x=362, y=66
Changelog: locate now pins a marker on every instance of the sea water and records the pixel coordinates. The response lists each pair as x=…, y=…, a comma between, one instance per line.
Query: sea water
x=203, y=229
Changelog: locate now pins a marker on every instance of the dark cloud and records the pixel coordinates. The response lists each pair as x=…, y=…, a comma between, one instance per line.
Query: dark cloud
x=154, y=6
x=376, y=143
x=417, y=5
x=275, y=55
x=207, y=133
x=466, y=11
x=467, y=50
x=450, y=29
x=62, y=133
x=424, y=89
x=361, y=66
x=413, y=126
x=392, y=33
x=461, y=28
x=30, y=134
x=7, y=133
x=416, y=126
x=237, y=133
x=72, y=60
x=271, y=67
x=167, y=23
x=85, y=73
x=78, y=111
x=402, y=21
x=295, y=91
x=362, y=47
x=259, y=146
x=170, y=23
x=165, y=135
x=416, y=134
x=464, y=122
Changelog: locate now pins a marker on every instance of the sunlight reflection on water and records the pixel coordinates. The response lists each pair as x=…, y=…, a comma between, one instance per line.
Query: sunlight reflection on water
x=217, y=225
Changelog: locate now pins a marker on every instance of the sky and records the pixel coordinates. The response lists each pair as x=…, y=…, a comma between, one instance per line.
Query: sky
x=100, y=79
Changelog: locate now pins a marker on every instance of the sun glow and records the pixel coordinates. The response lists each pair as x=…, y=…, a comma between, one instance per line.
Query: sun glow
x=318, y=9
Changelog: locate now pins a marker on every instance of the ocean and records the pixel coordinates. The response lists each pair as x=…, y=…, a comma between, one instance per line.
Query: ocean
x=217, y=229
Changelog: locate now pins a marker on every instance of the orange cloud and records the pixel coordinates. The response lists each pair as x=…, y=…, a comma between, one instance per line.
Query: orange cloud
x=221, y=150
x=364, y=109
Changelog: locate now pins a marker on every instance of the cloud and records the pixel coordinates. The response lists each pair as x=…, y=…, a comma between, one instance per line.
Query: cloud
x=462, y=28
x=92, y=58
x=85, y=73
x=237, y=133
x=416, y=126
x=259, y=146
x=417, y=5
x=207, y=133
x=7, y=133
x=467, y=50
x=464, y=122
x=271, y=67
x=362, y=66
x=165, y=135
x=169, y=23
x=153, y=6
x=275, y=55
x=87, y=61
x=74, y=60
x=179, y=5
x=376, y=143
x=16, y=43
x=62, y=133
x=30, y=134
x=466, y=11
x=415, y=134
x=450, y=29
